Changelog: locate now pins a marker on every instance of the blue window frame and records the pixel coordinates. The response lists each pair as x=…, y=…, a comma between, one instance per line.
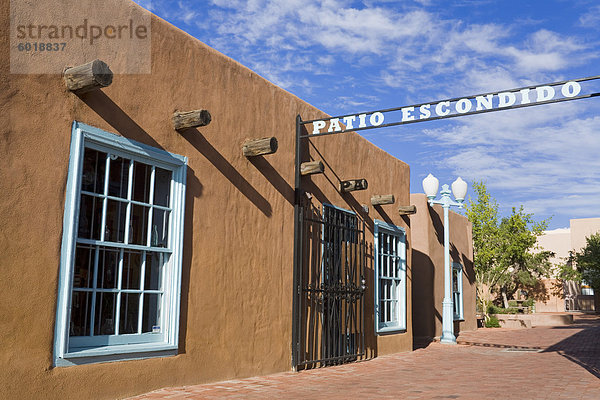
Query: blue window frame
x=120, y=271
x=390, y=277
x=457, y=289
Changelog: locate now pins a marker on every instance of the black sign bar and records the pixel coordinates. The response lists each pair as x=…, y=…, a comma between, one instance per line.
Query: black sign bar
x=455, y=107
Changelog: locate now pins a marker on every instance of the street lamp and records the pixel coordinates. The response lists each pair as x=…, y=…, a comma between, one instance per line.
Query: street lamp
x=459, y=189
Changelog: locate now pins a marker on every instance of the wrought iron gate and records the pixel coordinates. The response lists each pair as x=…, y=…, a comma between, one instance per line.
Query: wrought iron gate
x=331, y=289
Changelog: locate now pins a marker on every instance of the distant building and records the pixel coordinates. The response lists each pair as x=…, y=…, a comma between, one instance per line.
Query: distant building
x=567, y=296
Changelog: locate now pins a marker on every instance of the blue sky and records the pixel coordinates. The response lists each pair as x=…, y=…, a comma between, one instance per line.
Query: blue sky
x=352, y=56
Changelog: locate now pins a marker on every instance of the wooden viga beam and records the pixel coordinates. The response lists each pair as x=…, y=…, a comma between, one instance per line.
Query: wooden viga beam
x=407, y=210
x=259, y=147
x=353, y=184
x=311, y=168
x=87, y=77
x=190, y=119
x=382, y=199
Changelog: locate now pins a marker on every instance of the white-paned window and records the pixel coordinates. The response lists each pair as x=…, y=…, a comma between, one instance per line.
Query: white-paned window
x=121, y=253
x=586, y=290
x=457, y=297
x=390, y=277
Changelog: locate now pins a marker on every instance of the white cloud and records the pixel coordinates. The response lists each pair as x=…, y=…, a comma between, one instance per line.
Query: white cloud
x=591, y=18
x=326, y=60
x=147, y=4
x=546, y=156
x=408, y=46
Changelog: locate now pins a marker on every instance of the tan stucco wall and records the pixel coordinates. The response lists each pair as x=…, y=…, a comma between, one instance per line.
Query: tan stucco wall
x=554, y=300
x=561, y=242
x=236, y=311
x=427, y=232
x=581, y=229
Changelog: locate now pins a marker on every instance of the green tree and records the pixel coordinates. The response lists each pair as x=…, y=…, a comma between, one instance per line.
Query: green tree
x=519, y=255
x=505, y=254
x=588, y=262
x=483, y=214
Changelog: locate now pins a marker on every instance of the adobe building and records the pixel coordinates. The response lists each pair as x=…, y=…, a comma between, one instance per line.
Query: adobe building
x=561, y=296
x=138, y=256
x=427, y=233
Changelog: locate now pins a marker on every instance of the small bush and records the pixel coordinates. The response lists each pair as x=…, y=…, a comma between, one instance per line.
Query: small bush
x=528, y=303
x=492, y=322
x=492, y=309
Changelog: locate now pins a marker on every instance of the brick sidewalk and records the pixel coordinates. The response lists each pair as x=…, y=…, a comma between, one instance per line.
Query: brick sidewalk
x=538, y=363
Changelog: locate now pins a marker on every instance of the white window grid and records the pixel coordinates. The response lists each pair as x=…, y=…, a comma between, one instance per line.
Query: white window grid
x=390, y=277
x=162, y=338
x=125, y=252
x=586, y=289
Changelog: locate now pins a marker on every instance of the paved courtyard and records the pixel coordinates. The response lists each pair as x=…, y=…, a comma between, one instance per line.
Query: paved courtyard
x=539, y=363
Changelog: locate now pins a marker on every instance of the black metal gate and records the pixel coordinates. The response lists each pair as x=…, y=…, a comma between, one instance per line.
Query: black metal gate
x=331, y=289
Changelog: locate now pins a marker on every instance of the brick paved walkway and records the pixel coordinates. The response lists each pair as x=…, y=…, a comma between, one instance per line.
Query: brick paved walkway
x=537, y=363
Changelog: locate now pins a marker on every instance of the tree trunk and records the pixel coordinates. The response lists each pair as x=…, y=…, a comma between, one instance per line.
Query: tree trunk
x=485, y=299
x=504, y=298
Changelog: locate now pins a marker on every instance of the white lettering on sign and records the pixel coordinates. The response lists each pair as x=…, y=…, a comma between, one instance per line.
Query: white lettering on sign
x=349, y=121
x=445, y=108
x=425, y=113
x=571, y=89
x=334, y=125
x=545, y=93
x=376, y=119
x=463, y=106
x=317, y=126
x=484, y=102
x=439, y=108
x=407, y=114
x=525, y=96
x=507, y=99
x=361, y=121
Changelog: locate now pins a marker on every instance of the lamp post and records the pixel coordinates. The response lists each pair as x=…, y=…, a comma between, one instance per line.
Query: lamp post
x=459, y=189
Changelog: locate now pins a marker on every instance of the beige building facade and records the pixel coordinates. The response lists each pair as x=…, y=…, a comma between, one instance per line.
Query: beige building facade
x=567, y=296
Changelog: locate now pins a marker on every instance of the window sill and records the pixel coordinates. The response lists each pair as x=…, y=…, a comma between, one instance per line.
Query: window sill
x=115, y=353
x=390, y=331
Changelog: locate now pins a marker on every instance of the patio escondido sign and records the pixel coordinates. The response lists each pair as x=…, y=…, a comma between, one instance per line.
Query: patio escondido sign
x=496, y=101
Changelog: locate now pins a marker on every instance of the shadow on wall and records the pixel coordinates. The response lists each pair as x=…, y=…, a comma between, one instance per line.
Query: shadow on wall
x=437, y=223
x=127, y=127
x=196, y=139
x=114, y=115
x=577, y=348
x=193, y=191
x=539, y=292
x=469, y=269
x=335, y=182
x=370, y=336
x=274, y=177
x=424, y=313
